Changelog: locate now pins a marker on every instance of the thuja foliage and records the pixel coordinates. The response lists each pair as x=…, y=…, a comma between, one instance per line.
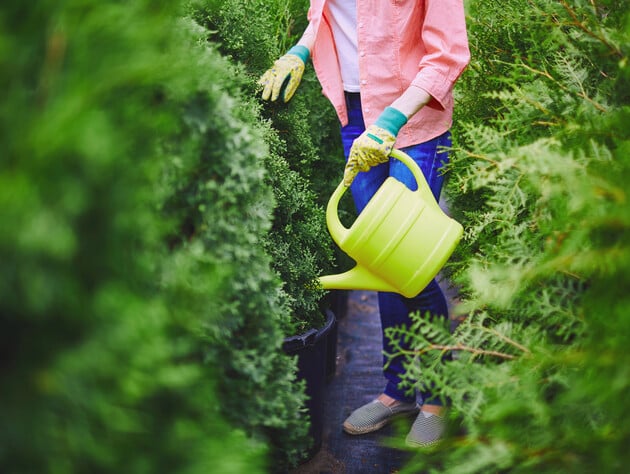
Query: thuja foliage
x=253, y=34
x=140, y=316
x=539, y=180
x=223, y=205
x=307, y=125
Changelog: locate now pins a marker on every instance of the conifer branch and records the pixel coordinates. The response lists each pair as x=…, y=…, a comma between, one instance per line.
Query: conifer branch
x=470, y=154
x=534, y=103
x=545, y=123
x=576, y=22
x=598, y=106
x=582, y=94
x=504, y=338
x=459, y=347
x=571, y=274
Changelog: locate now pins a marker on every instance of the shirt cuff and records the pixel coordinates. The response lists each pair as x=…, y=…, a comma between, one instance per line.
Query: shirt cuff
x=392, y=120
x=435, y=83
x=301, y=52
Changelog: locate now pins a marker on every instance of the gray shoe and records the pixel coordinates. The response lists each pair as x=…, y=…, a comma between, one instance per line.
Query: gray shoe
x=426, y=431
x=375, y=415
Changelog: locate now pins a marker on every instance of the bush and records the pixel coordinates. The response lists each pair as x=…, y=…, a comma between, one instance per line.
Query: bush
x=538, y=180
x=141, y=319
x=222, y=204
x=298, y=242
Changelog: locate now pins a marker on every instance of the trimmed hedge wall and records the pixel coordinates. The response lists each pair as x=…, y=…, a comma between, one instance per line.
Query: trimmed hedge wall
x=142, y=321
x=304, y=139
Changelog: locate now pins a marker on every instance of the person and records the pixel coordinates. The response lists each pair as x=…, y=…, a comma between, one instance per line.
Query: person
x=388, y=68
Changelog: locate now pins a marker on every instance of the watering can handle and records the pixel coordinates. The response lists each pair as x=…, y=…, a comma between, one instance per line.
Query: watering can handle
x=423, y=187
x=338, y=231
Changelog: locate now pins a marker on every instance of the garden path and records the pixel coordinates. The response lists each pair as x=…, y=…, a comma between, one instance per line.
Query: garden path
x=358, y=380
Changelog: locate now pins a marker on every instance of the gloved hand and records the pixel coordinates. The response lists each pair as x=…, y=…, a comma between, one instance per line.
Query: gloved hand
x=375, y=144
x=284, y=77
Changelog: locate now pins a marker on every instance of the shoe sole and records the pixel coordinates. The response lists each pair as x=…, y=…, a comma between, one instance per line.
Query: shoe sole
x=353, y=430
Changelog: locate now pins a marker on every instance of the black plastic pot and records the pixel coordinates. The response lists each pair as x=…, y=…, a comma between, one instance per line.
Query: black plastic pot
x=311, y=349
x=331, y=350
x=338, y=302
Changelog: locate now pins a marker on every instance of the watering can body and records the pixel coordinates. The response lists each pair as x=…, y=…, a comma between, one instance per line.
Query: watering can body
x=400, y=240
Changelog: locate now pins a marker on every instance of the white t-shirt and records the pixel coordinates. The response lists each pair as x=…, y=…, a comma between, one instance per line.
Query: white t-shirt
x=344, y=27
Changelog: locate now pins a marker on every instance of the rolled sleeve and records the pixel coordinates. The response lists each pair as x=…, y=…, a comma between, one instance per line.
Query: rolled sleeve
x=446, y=44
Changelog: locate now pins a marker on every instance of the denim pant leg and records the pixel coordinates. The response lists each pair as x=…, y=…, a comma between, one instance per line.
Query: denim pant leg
x=394, y=308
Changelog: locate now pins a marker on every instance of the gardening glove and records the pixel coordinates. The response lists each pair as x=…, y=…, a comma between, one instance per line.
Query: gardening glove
x=285, y=75
x=375, y=144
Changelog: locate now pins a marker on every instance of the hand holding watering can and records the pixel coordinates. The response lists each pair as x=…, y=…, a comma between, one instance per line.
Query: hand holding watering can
x=375, y=144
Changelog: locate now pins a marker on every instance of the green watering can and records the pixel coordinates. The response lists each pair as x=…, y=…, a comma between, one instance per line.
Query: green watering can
x=400, y=240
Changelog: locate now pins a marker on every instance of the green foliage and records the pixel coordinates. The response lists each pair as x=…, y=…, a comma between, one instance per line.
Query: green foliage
x=141, y=319
x=101, y=362
x=298, y=242
x=300, y=253
x=272, y=28
x=539, y=179
x=221, y=201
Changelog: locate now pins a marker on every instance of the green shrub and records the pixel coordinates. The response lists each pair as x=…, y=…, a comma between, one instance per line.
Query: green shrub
x=298, y=242
x=141, y=318
x=222, y=203
x=538, y=180
x=101, y=358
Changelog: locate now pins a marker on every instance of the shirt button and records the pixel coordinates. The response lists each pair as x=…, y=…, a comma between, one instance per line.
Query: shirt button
x=362, y=53
x=367, y=111
x=361, y=25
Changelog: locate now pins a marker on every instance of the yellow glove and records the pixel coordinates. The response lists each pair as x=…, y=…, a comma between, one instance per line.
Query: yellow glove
x=285, y=75
x=375, y=144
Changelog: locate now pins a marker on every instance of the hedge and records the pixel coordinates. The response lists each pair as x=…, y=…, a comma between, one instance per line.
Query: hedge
x=538, y=179
x=141, y=316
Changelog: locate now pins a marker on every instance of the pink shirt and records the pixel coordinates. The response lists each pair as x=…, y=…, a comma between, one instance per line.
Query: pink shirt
x=402, y=43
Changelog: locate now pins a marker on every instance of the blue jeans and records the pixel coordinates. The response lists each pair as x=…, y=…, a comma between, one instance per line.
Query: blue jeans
x=394, y=308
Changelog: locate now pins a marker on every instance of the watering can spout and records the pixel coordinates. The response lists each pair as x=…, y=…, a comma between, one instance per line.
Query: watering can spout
x=358, y=278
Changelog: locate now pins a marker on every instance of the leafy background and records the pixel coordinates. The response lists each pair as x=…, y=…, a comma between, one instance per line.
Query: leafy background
x=160, y=227
x=538, y=179
x=142, y=317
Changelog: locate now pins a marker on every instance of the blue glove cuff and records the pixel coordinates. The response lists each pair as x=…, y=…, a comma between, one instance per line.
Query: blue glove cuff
x=391, y=120
x=301, y=52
